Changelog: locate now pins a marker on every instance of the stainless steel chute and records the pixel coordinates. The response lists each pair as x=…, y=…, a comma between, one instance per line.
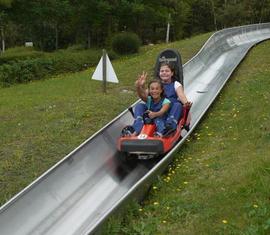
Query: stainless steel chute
x=82, y=190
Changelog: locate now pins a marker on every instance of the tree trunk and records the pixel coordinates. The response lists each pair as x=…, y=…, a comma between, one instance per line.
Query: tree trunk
x=56, y=37
x=214, y=14
x=261, y=11
x=3, y=40
x=88, y=39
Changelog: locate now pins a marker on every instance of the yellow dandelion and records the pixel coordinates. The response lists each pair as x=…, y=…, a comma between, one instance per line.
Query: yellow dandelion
x=224, y=221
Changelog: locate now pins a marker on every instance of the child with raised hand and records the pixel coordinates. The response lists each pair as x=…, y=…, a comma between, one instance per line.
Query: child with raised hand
x=156, y=106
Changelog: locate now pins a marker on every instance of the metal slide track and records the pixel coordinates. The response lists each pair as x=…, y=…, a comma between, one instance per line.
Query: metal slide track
x=82, y=190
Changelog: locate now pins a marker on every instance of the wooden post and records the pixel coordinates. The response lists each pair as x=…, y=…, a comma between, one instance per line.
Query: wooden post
x=104, y=70
x=168, y=29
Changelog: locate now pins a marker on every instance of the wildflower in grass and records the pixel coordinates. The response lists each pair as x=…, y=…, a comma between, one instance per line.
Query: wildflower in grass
x=140, y=210
x=224, y=221
x=255, y=206
x=154, y=187
x=185, y=182
x=164, y=221
x=156, y=203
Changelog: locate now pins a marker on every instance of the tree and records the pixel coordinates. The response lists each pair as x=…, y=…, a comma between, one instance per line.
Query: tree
x=4, y=5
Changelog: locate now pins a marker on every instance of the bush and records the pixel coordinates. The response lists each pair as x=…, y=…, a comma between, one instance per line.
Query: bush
x=126, y=43
x=63, y=61
x=25, y=71
x=19, y=53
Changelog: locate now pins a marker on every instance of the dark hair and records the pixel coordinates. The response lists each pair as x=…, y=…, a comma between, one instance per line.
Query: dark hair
x=171, y=67
x=161, y=86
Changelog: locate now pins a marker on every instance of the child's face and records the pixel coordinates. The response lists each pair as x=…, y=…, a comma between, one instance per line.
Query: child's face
x=155, y=90
x=165, y=74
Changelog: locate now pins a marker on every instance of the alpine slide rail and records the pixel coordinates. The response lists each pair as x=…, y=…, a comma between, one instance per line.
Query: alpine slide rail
x=81, y=191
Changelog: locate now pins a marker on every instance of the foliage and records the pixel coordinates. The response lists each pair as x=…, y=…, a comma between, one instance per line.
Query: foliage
x=27, y=68
x=19, y=53
x=126, y=43
x=92, y=22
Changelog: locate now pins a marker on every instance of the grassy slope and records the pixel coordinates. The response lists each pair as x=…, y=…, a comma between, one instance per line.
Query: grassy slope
x=219, y=181
x=42, y=121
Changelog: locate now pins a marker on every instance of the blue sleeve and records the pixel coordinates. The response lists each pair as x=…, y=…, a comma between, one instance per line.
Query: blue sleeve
x=166, y=101
x=148, y=102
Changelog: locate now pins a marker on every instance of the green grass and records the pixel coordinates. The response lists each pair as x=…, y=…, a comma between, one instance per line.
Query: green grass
x=42, y=121
x=219, y=180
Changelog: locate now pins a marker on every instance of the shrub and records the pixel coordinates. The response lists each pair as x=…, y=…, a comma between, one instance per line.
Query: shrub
x=19, y=53
x=126, y=43
x=49, y=64
x=25, y=71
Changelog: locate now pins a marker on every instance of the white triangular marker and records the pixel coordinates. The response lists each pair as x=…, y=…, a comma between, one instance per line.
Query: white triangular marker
x=98, y=74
